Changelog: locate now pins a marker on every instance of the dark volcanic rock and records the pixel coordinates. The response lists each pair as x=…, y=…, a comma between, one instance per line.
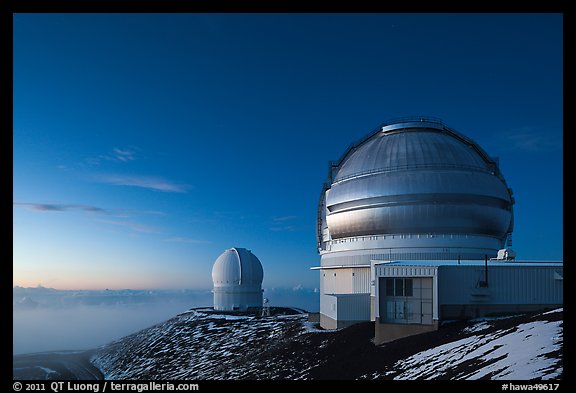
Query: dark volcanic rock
x=201, y=345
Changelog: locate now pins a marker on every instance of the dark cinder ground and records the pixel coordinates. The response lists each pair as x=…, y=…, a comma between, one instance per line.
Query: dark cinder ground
x=65, y=365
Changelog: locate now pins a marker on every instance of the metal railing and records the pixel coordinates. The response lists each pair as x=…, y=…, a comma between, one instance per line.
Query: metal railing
x=428, y=119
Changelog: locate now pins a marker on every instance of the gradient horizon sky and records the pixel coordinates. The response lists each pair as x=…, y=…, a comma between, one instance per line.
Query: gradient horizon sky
x=147, y=144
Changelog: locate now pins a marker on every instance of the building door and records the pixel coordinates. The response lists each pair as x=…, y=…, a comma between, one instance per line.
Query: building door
x=426, y=300
x=405, y=300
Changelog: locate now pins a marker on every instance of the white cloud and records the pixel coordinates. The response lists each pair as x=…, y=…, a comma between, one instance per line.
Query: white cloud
x=148, y=182
x=118, y=154
x=123, y=155
x=284, y=224
x=187, y=240
x=284, y=228
x=134, y=226
x=531, y=139
x=59, y=207
x=284, y=218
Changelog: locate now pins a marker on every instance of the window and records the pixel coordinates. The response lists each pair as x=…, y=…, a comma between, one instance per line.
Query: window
x=399, y=287
x=389, y=287
x=408, y=287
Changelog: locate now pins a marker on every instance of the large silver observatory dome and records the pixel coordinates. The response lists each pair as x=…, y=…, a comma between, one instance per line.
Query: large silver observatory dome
x=237, y=276
x=418, y=177
x=415, y=177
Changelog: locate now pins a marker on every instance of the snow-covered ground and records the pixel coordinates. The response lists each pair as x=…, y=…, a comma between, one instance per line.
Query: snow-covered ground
x=515, y=353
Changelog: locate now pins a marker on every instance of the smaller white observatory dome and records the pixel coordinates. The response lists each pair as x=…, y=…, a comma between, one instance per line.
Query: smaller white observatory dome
x=237, y=276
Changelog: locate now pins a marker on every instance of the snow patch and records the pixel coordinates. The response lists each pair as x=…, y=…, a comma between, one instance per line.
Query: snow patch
x=512, y=354
x=47, y=370
x=561, y=309
x=477, y=327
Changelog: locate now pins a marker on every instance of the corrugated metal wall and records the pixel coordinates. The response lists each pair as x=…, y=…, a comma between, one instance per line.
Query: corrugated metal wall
x=346, y=307
x=345, y=281
x=353, y=307
x=506, y=284
x=361, y=280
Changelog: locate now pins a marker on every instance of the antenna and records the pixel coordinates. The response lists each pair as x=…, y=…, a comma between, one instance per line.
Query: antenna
x=266, y=308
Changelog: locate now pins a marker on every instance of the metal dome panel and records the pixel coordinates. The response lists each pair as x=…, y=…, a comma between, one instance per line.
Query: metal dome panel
x=237, y=266
x=410, y=149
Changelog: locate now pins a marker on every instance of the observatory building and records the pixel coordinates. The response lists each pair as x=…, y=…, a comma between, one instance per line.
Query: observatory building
x=419, y=196
x=237, y=276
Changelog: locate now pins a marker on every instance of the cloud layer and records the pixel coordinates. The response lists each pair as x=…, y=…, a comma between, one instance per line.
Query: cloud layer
x=120, y=215
x=58, y=207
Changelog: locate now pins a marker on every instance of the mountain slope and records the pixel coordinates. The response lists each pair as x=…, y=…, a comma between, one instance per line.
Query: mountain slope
x=200, y=344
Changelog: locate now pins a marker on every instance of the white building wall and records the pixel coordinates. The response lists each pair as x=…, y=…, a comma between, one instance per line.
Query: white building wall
x=342, y=280
x=345, y=293
x=236, y=298
x=329, y=306
x=345, y=280
x=327, y=282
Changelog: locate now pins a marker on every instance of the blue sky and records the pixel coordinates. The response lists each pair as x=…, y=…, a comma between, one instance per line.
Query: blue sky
x=147, y=144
